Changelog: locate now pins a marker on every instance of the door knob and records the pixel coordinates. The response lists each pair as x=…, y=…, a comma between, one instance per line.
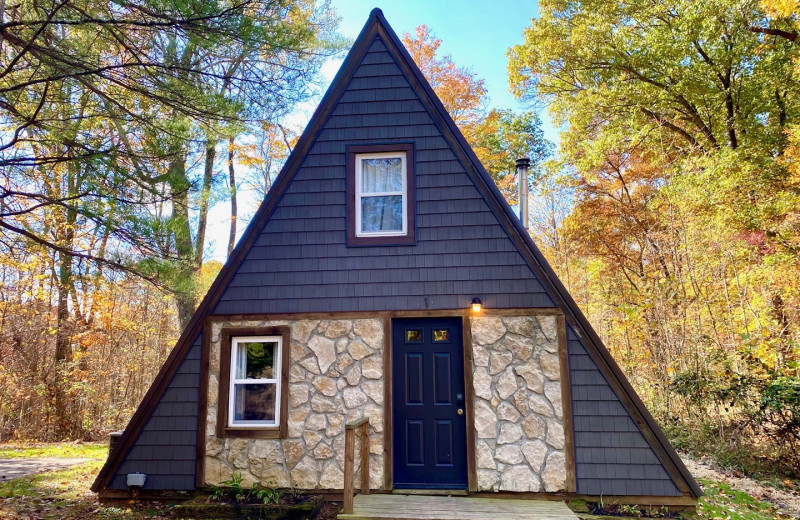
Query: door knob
x=460, y=411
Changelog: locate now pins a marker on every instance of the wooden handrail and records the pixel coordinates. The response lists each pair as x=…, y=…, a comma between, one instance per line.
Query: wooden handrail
x=349, y=460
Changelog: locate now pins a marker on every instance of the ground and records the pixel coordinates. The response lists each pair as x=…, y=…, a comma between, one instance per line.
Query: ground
x=65, y=494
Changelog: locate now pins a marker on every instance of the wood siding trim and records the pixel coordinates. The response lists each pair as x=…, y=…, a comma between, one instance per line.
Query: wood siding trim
x=223, y=430
x=410, y=204
x=469, y=406
x=388, y=447
x=421, y=313
x=566, y=405
x=202, y=412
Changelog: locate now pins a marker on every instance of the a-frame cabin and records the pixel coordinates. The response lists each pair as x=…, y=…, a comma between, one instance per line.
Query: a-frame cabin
x=350, y=294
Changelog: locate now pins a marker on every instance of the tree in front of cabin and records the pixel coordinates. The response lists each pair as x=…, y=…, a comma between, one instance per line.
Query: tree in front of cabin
x=678, y=156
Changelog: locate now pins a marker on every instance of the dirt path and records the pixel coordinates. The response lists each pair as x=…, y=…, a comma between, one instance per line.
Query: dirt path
x=788, y=501
x=15, y=468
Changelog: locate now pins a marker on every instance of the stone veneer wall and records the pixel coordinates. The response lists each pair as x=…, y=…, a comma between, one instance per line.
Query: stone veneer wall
x=518, y=413
x=336, y=375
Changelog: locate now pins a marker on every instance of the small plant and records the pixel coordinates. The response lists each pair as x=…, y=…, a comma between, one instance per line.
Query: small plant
x=629, y=510
x=269, y=494
x=232, y=489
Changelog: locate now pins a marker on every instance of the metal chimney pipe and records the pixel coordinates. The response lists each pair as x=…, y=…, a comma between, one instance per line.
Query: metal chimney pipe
x=523, y=164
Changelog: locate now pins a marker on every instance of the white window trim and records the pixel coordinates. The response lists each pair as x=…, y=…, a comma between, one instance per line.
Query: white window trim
x=404, y=193
x=277, y=364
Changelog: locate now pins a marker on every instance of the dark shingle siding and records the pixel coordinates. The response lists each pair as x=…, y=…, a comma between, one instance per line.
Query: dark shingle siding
x=612, y=457
x=300, y=262
x=166, y=450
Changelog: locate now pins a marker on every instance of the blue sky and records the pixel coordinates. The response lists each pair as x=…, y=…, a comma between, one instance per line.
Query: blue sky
x=475, y=33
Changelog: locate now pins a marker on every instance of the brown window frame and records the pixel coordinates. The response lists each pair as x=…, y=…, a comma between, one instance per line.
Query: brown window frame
x=224, y=430
x=409, y=238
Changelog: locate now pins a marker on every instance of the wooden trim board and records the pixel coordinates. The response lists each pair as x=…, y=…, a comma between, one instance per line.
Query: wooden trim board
x=566, y=405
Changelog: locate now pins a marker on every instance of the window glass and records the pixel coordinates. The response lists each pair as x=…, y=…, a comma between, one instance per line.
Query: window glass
x=254, y=402
x=382, y=213
x=255, y=360
x=381, y=175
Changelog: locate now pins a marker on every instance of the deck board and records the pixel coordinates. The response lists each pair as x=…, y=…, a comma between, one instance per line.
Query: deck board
x=420, y=507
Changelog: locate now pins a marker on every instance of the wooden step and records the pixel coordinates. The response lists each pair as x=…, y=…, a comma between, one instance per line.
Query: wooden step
x=419, y=507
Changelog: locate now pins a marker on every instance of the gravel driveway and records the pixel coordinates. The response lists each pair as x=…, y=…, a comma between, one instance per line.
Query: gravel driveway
x=15, y=468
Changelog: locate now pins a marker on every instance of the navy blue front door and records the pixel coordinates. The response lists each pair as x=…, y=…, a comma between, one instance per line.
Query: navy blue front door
x=430, y=438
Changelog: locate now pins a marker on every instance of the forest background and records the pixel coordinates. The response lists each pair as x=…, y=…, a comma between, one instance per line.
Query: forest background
x=669, y=210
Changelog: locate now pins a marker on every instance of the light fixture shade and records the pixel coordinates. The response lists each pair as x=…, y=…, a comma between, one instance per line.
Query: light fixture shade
x=476, y=304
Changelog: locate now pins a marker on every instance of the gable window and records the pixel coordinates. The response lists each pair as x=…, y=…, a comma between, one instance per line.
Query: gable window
x=381, y=190
x=253, y=383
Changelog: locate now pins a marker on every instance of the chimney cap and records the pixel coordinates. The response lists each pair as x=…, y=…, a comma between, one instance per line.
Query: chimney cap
x=523, y=162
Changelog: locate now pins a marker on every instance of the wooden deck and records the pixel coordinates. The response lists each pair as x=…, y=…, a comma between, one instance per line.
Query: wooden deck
x=408, y=507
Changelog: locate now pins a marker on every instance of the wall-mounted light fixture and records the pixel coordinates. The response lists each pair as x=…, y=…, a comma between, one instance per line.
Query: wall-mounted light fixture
x=476, y=304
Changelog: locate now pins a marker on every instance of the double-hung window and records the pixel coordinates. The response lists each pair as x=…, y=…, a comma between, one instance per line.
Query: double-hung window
x=255, y=381
x=381, y=185
x=253, y=389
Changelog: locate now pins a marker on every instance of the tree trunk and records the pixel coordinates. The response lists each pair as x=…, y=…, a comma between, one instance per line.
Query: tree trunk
x=185, y=297
x=205, y=194
x=232, y=180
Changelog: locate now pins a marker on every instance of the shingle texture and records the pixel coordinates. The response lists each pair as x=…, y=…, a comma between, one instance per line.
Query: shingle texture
x=300, y=262
x=612, y=457
x=166, y=449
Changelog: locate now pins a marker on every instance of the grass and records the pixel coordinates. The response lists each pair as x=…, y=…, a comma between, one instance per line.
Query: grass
x=725, y=503
x=71, y=450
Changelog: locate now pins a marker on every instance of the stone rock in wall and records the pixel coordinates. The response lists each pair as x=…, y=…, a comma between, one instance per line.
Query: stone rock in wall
x=293, y=451
x=214, y=446
x=533, y=427
x=486, y=331
x=485, y=420
x=343, y=362
x=372, y=367
x=508, y=454
x=323, y=451
x=509, y=433
x=325, y=351
x=553, y=393
x=549, y=327
x=354, y=397
x=487, y=480
x=555, y=434
x=520, y=325
x=371, y=331
x=374, y=390
x=535, y=453
x=213, y=390
x=498, y=361
x=353, y=376
x=506, y=384
x=278, y=475
x=316, y=422
x=325, y=385
x=304, y=475
x=311, y=439
x=537, y=403
x=297, y=374
x=484, y=456
x=322, y=404
x=519, y=479
x=358, y=349
x=262, y=451
x=298, y=395
x=298, y=351
x=332, y=477
x=480, y=356
x=532, y=375
x=338, y=328
x=554, y=475
x=520, y=400
x=301, y=330
x=520, y=346
x=335, y=424
x=482, y=383
x=550, y=366
x=506, y=412
x=296, y=421
x=310, y=364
